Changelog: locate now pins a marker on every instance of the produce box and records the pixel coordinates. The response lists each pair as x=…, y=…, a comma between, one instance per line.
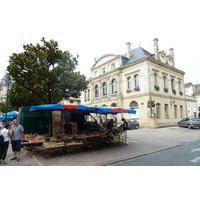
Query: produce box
x=56, y=119
x=49, y=144
x=71, y=127
x=53, y=139
x=103, y=134
x=59, y=144
x=56, y=113
x=36, y=140
x=74, y=143
x=116, y=137
x=96, y=133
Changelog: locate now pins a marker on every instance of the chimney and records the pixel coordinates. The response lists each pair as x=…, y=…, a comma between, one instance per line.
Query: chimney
x=172, y=55
x=156, y=49
x=128, y=48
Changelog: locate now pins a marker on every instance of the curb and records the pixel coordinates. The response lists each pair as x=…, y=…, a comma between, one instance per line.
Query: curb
x=126, y=159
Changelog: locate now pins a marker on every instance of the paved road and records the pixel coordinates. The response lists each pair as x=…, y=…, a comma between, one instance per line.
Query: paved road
x=184, y=155
x=142, y=141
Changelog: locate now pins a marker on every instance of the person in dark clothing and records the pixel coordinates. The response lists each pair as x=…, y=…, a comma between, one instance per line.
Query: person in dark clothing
x=110, y=125
x=125, y=128
x=4, y=146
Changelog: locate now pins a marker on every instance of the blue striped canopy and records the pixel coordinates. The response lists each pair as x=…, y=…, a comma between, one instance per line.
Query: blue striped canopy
x=81, y=109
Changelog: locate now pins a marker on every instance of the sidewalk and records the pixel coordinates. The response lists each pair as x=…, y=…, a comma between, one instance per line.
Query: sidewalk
x=141, y=142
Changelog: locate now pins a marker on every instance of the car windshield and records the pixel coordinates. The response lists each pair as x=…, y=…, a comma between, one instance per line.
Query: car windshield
x=195, y=119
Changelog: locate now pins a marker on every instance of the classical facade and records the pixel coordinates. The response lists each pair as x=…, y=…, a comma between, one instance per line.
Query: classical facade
x=149, y=83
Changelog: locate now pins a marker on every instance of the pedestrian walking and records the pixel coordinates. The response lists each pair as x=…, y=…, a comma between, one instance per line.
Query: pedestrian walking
x=17, y=137
x=125, y=129
x=6, y=133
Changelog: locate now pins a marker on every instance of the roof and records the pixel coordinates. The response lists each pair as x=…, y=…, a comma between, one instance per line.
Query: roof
x=188, y=84
x=138, y=54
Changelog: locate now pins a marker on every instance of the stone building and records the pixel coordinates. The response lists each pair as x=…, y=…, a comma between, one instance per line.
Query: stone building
x=135, y=78
x=5, y=83
x=71, y=100
x=193, y=99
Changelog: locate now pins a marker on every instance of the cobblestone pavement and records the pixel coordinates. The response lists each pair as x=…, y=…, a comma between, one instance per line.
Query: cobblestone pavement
x=141, y=142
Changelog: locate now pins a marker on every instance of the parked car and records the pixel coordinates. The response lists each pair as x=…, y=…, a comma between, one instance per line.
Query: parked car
x=190, y=122
x=132, y=124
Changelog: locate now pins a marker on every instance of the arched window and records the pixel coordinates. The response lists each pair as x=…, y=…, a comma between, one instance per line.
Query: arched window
x=104, y=89
x=114, y=86
x=113, y=105
x=96, y=91
x=134, y=105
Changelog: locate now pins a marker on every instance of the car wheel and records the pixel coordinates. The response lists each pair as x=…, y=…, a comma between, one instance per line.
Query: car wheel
x=179, y=125
x=136, y=126
x=189, y=126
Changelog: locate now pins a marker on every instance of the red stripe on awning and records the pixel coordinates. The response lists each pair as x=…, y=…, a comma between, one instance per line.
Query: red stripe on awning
x=69, y=107
x=117, y=110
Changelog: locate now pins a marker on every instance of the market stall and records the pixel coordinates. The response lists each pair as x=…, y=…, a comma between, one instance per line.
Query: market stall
x=70, y=135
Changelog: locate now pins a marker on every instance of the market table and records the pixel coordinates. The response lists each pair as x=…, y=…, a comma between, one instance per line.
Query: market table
x=31, y=145
x=71, y=142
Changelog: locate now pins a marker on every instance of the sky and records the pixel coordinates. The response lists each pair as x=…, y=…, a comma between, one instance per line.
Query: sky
x=92, y=28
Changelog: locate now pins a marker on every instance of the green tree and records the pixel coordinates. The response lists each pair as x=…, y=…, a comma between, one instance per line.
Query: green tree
x=19, y=96
x=44, y=74
x=3, y=107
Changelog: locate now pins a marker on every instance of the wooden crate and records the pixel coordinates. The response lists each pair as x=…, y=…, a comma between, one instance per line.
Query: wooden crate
x=56, y=113
x=49, y=144
x=59, y=144
x=56, y=120
x=116, y=137
x=71, y=128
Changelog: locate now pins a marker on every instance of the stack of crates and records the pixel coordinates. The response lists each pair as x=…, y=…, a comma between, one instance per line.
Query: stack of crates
x=71, y=128
x=56, y=122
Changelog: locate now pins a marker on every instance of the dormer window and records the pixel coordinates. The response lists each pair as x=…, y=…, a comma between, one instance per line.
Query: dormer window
x=104, y=70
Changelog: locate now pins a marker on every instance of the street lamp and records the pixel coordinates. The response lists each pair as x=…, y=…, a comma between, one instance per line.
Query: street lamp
x=7, y=81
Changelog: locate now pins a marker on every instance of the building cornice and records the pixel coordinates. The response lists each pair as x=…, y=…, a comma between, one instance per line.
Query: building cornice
x=113, y=72
x=156, y=62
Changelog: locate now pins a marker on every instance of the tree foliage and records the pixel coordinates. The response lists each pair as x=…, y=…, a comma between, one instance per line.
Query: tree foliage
x=3, y=108
x=43, y=74
x=19, y=96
